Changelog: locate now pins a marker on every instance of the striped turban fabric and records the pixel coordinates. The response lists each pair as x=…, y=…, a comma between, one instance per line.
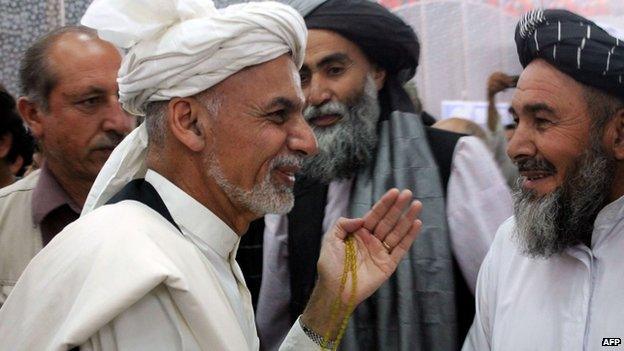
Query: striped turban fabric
x=574, y=45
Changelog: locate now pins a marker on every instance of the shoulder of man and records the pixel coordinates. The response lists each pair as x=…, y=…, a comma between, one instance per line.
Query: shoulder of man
x=18, y=190
x=91, y=272
x=20, y=238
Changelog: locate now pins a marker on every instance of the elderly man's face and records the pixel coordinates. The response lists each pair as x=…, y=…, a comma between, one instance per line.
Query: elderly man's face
x=259, y=136
x=340, y=86
x=84, y=121
x=566, y=171
x=553, y=126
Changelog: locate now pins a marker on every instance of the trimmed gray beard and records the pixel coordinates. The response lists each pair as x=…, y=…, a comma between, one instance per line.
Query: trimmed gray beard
x=348, y=145
x=549, y=224
x=266, y=196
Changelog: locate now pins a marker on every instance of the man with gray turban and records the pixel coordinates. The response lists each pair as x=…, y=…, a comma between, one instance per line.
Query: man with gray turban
x=358, y=58
x=151, y=265
x=553, y=277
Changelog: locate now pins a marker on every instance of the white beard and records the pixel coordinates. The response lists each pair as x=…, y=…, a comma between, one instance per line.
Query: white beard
x=266, y=196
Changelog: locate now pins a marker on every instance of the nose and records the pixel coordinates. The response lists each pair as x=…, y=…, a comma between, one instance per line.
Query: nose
x=116, y=119
x=521, y=143
x=317, y=92
x=301, y=138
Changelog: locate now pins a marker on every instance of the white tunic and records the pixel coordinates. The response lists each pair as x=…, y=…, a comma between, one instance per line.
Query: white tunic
x=123, y=278
x=568, y=302
x=478, y=201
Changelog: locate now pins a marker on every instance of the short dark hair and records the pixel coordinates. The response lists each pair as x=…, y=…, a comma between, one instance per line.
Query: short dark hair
x=37, y=78
x=23, y=144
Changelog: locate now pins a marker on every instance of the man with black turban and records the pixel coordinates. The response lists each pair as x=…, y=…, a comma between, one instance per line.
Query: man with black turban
x=358, y=57
x=553, y=277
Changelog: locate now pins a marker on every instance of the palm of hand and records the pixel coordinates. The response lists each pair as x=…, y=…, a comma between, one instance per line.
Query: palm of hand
x=388, y=221
x=374, y=265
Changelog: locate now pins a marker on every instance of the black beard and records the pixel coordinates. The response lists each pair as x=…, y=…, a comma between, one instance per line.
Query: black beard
x=549, y=224
x=349, y=145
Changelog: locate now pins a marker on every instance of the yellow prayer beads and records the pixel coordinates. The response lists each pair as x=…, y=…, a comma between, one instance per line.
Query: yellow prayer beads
x=337, y=308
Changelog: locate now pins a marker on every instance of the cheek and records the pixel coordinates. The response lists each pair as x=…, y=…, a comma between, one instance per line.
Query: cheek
x=349, y=88
x=563, y=157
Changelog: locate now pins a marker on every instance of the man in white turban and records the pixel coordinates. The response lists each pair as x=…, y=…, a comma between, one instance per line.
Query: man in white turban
x=151, y=263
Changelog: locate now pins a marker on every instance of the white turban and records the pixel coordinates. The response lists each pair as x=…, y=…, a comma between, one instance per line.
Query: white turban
x=178, y=48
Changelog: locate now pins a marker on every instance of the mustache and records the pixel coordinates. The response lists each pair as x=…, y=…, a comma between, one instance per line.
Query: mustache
x=534, y=164
x=328, y=108
x=108, y=140
x=287, y=160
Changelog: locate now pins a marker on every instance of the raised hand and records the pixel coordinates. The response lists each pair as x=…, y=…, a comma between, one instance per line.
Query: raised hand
x=383, y=237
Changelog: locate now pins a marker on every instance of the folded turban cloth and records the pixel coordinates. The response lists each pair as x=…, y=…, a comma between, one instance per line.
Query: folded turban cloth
x=574, y=45
x=178, y=48
x=383, y=37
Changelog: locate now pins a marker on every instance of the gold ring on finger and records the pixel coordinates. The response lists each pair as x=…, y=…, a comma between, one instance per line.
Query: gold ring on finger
x=388, y=248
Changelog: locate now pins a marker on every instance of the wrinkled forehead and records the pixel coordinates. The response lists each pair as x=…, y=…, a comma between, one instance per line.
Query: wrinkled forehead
x=324, y=44
x=540, y=82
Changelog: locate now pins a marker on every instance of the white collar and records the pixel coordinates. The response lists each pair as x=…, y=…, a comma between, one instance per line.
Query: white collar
x=193, y=218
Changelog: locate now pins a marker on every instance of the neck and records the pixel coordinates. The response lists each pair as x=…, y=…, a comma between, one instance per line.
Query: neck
x=76, y=188
x=6, y=177
x=192, y=180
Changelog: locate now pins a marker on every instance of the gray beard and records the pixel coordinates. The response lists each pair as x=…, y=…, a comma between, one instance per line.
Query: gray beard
x=265, y=197
x=348, y=145
x=549, y=224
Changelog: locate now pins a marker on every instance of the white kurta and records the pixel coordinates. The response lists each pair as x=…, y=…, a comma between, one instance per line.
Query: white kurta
x=478, y=201
x=568, y=302
x=123, y=278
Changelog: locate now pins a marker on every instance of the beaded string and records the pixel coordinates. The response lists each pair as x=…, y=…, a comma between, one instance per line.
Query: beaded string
x=350, y=267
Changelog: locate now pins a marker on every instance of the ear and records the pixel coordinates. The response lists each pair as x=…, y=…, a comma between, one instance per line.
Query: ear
x=379, y=75
x=33, y=116
x=185, y=123
x=5, y=144
x=618, y=127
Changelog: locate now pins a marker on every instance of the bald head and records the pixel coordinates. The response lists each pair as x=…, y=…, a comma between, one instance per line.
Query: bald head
x=38, y=73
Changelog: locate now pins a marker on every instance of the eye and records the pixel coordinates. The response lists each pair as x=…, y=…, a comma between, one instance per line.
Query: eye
x=305, y=77
x=334, y=71
x=277, y=117
x=542, y=121
x=90, y=102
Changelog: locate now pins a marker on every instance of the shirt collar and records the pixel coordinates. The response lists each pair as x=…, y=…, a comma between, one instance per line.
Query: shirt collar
x=48, y=195
x=606, y=220
x=193, y=218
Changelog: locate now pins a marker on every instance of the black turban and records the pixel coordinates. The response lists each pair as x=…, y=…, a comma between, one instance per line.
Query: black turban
x=383, y=37
x=575, y=46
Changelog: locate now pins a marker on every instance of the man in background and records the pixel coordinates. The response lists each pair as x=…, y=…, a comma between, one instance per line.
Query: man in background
x=68, y=78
